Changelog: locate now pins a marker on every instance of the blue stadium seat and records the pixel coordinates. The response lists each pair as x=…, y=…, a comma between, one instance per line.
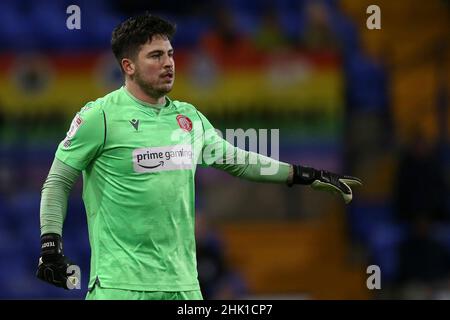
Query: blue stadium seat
x=366, y=83
x=189, y=31
x=15, y=28
x=384, y=240
x=363, y=217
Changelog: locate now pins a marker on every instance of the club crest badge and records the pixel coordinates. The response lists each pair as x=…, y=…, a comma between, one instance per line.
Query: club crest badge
x=184, y=122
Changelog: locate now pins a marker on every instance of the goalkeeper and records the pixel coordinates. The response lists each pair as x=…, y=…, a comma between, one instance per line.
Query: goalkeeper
x=137, y=151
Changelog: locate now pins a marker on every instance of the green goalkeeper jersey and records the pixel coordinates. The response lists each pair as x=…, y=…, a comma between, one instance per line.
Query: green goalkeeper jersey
x=138, y=167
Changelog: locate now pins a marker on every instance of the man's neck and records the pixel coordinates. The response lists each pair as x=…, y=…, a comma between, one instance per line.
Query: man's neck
x=138, y=93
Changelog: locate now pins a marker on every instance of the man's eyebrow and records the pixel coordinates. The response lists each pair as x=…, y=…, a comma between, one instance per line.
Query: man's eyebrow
x=155, y=51
x=159, y=51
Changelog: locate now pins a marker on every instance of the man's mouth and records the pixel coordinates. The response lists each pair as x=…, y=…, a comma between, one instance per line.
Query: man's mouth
x=168, y=75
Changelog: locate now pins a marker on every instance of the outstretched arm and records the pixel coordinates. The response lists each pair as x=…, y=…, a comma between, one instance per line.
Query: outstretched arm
x=280, y=172
x=252, y=166
x=256, y=167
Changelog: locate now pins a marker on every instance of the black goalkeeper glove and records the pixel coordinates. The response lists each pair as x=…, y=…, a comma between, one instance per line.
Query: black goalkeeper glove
x=53, y=264
x=326, y=181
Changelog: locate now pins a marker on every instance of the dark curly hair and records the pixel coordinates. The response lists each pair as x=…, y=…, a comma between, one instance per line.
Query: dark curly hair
x=130, y=35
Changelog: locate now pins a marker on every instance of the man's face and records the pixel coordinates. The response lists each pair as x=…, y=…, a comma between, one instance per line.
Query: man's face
x=154, y=70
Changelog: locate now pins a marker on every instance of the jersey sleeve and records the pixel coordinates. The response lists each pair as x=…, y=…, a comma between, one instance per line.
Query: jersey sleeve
x=84, y=139
x=214, y=146
x=220, y=154
x=54, y=196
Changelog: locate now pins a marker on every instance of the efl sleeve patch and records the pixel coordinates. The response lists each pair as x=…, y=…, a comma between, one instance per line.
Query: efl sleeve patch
x=77, y=122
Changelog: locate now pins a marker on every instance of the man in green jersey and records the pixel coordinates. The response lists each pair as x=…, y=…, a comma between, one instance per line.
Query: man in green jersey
x=137, y=151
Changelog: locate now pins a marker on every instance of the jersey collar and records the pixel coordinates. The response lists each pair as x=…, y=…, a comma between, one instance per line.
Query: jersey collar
x=153, y=107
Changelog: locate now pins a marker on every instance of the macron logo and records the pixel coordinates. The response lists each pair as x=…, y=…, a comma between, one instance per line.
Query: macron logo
x=167, y=158
x=135, y=124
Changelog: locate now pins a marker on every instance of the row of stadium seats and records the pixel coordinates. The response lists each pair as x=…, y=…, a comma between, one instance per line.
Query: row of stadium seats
x=30, y=25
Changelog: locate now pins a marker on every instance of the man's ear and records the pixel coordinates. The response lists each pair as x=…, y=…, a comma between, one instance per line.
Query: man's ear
x=128, y=66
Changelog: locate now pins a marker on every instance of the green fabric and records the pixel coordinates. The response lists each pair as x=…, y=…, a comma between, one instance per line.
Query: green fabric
x=55, y=192
x=138, y=170
x=220, y=154
x=157, y=106
x=99, y=293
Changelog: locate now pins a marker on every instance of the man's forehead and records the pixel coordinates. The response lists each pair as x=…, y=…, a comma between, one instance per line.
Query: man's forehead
x=157, y=43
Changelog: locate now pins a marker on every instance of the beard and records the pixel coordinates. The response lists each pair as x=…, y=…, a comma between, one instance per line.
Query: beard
x=149, y=89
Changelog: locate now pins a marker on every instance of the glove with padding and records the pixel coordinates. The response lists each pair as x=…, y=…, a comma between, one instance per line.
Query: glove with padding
x=323, y=180
x=53, y=265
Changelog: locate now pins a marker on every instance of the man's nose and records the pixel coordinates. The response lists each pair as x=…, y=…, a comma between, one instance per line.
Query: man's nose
x=168, y=62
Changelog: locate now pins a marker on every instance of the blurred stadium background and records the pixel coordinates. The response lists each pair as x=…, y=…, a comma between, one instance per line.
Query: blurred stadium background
x=371, y=103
